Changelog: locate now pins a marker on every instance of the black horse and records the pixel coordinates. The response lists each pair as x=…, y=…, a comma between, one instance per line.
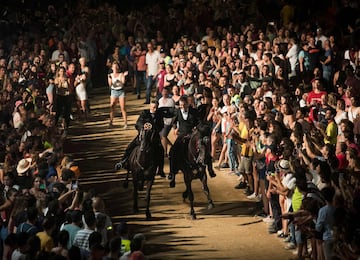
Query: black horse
x=190, y=157
x=143, y=163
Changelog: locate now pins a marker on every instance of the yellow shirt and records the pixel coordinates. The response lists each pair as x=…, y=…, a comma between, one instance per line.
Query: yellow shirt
x=332, y=132
x=244, y=134
x=46, y=241
x=297, y=199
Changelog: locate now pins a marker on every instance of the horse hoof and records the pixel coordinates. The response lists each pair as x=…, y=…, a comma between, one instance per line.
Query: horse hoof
x=211, y=206
x=172, y=184
x=148, y=216
x=212, y=174
x=126, y=185
x=184, y=195
x=193, y=217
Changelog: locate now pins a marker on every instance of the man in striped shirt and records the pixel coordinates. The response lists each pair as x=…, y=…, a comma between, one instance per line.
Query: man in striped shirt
x=82, y=236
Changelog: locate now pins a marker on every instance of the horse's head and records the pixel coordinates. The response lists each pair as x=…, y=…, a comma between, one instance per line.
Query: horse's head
x=199, y=148
x=202, y=150
x=145, y=137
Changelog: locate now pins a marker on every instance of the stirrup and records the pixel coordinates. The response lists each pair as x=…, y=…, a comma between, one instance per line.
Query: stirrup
x=120, y=164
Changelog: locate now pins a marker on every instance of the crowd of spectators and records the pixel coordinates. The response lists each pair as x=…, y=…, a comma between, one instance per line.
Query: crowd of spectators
x=285, y=112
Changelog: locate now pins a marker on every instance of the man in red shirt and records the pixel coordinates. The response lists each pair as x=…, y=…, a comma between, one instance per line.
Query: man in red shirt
x=314, y=96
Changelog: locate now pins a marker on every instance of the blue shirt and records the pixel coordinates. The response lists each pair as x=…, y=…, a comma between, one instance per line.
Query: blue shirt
x=325, y=222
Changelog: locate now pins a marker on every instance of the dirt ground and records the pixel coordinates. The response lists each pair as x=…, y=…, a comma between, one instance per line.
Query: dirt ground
x=229, y=231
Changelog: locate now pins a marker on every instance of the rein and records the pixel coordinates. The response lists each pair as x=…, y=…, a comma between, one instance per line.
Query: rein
x=143, y=147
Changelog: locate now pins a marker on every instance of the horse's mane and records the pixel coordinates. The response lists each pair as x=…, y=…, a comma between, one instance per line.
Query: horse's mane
x=141, y=159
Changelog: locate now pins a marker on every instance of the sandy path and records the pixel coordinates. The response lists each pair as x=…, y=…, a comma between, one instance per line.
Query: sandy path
x=229, y=231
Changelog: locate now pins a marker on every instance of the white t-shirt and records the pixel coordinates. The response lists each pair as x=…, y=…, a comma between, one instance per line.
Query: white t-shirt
x=289, y=182
x=322, y=38
x=56, y=53
x=152, y=61
x=293, y=56
x=168, y=102
x=17, y=120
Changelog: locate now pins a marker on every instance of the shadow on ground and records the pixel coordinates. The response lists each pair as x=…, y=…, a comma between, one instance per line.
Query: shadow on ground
x=96, y=148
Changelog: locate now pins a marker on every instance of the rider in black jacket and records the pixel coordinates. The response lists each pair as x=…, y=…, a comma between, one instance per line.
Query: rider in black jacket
x=186, y=119
x=155, y=117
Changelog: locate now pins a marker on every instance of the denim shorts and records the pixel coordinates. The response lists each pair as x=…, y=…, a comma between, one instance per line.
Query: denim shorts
x=117, y=93
x=262, y=173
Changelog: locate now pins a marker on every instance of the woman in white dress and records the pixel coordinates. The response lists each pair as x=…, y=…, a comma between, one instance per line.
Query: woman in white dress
x=80, y=89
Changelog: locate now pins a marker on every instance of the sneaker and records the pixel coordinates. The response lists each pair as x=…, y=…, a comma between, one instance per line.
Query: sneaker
x=247, y=191
x=279, y=232
x=256, y=197
x=290, y=246
x=71, y=117
x=261, y=215
x=287, y=239
x=241, y=177
x=282, y=235
x=241, y=185
x=268, y=219
x=231, y=173
x=272, y=230
x=252, y=196
x=224, y=165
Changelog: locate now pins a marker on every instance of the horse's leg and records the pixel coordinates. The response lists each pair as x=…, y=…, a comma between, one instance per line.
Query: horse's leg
x=126, y=183
x=173, y=156
x=206, y=189
x=160, y=163
x=209, y=165
x=148, y=197
x=173, y=170
x=185, y=194
x=135, y=195
x=188, y=179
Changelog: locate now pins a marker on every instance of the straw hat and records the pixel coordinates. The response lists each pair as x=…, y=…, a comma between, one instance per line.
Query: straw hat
x=23, y=165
